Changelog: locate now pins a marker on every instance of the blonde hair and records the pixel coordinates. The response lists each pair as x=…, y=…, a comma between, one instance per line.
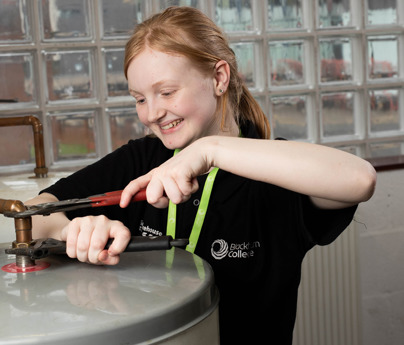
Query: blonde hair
x=188, y=32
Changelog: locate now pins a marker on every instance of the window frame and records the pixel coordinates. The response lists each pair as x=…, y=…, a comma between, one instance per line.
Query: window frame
x=313, y=88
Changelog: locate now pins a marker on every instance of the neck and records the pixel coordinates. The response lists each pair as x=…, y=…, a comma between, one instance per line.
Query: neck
x=230, y=128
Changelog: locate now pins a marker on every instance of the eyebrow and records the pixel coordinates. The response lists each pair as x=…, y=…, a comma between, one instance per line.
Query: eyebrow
x=133, y=93
x=154, y=85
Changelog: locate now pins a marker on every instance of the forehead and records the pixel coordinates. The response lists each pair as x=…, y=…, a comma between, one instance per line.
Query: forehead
x=152, y=66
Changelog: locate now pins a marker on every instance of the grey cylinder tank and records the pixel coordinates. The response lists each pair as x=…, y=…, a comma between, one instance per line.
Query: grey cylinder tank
x=154, y=297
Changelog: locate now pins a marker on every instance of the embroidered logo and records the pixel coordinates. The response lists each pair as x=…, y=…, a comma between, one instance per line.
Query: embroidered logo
x=145, y=230
x=221, y=249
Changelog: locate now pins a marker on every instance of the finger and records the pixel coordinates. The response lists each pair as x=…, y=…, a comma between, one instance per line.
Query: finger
x=195, y=185
x=99, y=238
x=155, y=191
x=187, y=188
x=84, y=238
x=132, y=188
x=121, y=235
x=161, y=203
x=172, y=191
x=159, y=193
x=103, y=257
x=69, y=234
x=106, y=259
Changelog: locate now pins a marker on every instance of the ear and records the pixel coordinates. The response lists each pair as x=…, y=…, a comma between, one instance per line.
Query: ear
x=221, y=77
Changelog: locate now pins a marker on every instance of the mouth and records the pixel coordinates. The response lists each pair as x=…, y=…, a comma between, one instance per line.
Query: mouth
x=171, y=124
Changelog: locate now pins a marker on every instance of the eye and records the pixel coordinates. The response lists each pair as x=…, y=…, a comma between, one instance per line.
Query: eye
x=140, y=101
x=167, y=93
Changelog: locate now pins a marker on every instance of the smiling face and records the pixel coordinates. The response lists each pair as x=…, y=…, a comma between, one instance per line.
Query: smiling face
x=174, y=99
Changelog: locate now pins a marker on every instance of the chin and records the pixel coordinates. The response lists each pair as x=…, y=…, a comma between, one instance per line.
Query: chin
x=176, y=140
x=172, y=145
x=176, y=145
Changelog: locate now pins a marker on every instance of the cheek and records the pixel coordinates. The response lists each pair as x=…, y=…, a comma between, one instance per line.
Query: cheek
x=202, y=105
x=207, y=99
x=206, y=108
x=142, y=114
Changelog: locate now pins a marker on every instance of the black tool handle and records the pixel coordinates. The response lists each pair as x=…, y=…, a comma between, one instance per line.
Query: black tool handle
x=146, y=243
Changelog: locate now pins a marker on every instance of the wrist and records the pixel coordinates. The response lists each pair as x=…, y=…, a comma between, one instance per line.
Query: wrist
x=207, y=145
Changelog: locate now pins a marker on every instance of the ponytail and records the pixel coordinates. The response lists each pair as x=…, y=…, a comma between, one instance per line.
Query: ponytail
x=250, y=110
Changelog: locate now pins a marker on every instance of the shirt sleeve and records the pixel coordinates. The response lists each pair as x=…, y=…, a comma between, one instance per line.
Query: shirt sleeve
x=110, y=173
x=323, y=226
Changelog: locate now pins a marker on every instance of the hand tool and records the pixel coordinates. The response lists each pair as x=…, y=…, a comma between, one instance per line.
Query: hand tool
x=41, y=248
x=44, y=247
x=106, y=199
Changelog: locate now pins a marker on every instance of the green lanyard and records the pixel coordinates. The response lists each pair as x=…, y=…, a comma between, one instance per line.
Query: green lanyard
x=200, y=215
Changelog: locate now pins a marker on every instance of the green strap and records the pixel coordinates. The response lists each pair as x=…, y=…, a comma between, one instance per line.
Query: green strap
x=200, y=215
x=172, y=214
x=171, y=219
x=202, y=209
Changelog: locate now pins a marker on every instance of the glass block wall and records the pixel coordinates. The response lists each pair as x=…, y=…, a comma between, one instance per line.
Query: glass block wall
x=324, y=72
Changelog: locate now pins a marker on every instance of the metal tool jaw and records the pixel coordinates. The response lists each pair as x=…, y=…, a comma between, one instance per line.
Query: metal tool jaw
x=99, y=200
x=39, y=249
x=50, y=207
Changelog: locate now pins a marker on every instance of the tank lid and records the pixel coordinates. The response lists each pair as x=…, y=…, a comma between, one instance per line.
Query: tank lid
x=148, y=295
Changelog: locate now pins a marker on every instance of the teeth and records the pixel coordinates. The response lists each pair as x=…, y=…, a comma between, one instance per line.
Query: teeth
x=172, y=124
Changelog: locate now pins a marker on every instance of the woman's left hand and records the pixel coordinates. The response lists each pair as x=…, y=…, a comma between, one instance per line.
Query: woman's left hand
x=173, y=180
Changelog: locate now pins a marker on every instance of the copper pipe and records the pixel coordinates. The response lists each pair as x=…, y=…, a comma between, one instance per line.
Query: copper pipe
x=23, y=229
x=23, y=226
x=40, y=170
x=23, y=234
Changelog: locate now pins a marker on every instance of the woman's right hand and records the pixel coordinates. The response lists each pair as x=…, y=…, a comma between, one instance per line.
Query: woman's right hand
x=86, y=238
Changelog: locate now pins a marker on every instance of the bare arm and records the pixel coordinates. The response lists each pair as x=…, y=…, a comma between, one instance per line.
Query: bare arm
x=332, y=178
x=47, y=226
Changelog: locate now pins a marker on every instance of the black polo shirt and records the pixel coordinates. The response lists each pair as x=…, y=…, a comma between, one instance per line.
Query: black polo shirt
x=255, y=235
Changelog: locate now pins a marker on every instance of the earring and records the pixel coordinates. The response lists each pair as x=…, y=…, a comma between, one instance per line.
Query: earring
x=221, y=90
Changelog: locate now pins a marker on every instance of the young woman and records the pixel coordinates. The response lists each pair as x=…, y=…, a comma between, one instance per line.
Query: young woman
x=265, y=202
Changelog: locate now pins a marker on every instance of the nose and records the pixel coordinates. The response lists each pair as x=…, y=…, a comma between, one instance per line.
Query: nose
x=155, y=111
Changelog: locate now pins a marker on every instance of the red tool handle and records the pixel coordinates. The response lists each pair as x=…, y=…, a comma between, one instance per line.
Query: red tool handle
x=113, y=198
